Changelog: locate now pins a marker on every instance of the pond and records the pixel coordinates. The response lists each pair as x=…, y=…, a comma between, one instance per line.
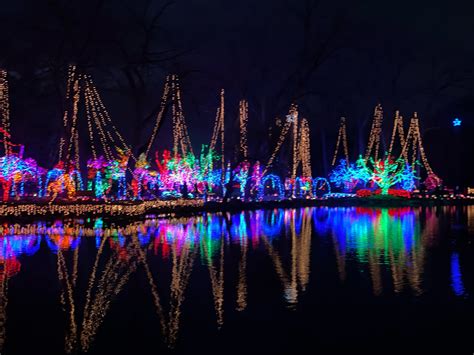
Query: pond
x=324, y=280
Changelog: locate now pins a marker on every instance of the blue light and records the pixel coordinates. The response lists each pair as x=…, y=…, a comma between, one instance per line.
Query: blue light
x=457, y=122
x=456, y=276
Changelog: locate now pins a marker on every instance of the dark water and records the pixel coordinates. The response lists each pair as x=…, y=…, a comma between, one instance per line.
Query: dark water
x=313, y=280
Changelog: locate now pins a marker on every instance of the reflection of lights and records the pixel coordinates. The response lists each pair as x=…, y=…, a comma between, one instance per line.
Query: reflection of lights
x=62, y=242
x=365, y=229
x=111, y=209
x=382, y=241
x=14, y=245
x=376, y=237
x=456, y=276
x=291, y=295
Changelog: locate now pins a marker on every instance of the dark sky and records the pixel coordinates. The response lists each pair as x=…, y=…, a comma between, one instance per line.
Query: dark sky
x=333, y=58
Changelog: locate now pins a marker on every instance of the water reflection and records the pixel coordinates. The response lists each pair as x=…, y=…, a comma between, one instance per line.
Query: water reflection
x=456, y=275
x=380, y=238
x=390, y=244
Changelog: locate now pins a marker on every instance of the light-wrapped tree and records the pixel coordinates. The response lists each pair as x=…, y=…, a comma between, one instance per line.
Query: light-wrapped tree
x=348, y=176
x=387, y=172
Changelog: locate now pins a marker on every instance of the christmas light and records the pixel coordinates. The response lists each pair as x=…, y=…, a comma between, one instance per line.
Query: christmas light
x=387, y=173
x=243, y=120
x=281, y=139
x=300, y=140
x=321, y=187
x=137, y=208
x=348, y=176
x=375, y=133
x=5, y=109
x=218, y=132
x=414, y=144
x=159, y=116
x=341, y=136
x=383, y=173
x=397, y=128
x=293, y=116
x=179, y=172
x=432, y=182
x=408, y=178
x=241, y=175
x=271, y=183
x=305, y=149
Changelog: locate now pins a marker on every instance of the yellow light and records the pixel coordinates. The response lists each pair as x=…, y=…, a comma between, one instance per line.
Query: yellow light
x=341, y=135
x=243, y=120
x=107, y=208
x=375, y=132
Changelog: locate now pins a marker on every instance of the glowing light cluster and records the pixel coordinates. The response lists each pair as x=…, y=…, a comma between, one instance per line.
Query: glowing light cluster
x=383, y=173
x=271, y=183
x=349, y=176
x=388, y=171
x=179, y=172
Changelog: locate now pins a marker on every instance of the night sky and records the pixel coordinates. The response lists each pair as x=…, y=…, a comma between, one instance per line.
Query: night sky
x=332, y=58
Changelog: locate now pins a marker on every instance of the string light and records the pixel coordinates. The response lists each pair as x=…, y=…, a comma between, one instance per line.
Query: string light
x=321, y=187
x=397, y=128
x=110, y=129
x=180, y=132
x=375, y=133
x=159, y=116
x=222, y=130
x=386, y=173
x=100, y=127
x=243, y=120
x=96, y=209
x=72, y=122
x=348, y=176
x=301, y=152
x=241, y=175
x=296, y=156
x=432, y=182
x=5, y=109
x=256, y=178
x=15, y=171
x=341, y=136
x=305, y=149
x=181, y=173
x=272, y=182
x=414, y=144
x=281, y=139
x=218, y=133
x=383, y=173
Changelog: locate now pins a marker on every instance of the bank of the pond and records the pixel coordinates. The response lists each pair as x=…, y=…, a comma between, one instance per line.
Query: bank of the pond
x=336, y=202
x=137, y=209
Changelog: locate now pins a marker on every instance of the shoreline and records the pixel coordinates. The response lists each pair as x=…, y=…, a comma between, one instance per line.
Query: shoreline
x=139, y=209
